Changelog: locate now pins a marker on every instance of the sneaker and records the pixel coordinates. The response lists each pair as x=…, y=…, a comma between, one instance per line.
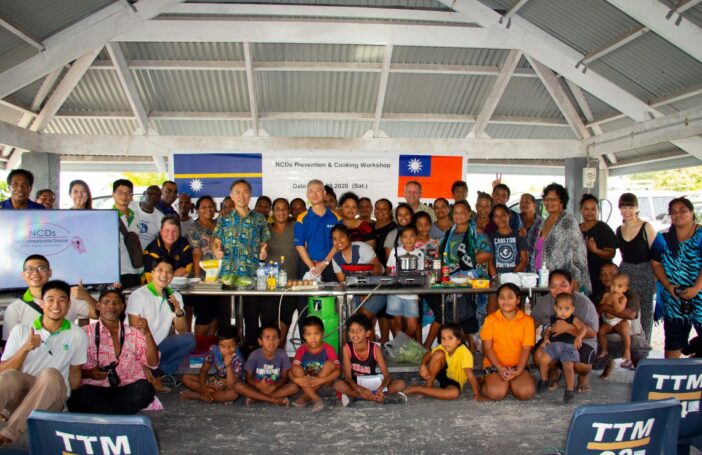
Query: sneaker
x=170, y=381
x=345, y=400
x=402, y=398
x=542, y=386
x=568, y=396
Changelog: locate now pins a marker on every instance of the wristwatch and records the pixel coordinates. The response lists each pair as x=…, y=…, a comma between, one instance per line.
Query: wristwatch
x=181, y=314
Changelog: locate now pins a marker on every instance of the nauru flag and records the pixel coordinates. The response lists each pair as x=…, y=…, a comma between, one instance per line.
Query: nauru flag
x=198, y=174
x=435, y=173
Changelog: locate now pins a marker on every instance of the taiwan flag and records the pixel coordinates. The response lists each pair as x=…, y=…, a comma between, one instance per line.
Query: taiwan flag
x=435, y=173
x=199, y=174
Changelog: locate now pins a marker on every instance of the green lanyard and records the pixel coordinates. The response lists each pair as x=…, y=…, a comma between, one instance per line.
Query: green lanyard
x=65, y=325
x=168, y=291
x=130, y=214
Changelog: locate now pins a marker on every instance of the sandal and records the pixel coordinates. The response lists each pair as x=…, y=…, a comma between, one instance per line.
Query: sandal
x=628, y=364
x=553, y=385
x=585, y=388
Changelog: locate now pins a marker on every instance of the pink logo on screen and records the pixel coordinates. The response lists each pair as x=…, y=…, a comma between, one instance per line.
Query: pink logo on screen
x=44, y=238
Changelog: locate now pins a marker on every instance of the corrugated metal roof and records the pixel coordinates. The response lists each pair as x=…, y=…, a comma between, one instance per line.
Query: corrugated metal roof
x=96, y=126
x=619, y=123
x=24, y=96
x=694, y=15
x=447, y=56
x=647, y=152
x=193, y=91
x=422, y=4
x=264, y=52
x=598, y=107
x=528, y=132
x=316, y=91
x=431, y=93
x=527, y=98
x=649, y=67
x=426, y=129
x=97, y=91
x=9, y=115
x=582, y=24
x=315, y=128
x=13, y=50
x=200, y=127
x=183, y=51
x=42, y=18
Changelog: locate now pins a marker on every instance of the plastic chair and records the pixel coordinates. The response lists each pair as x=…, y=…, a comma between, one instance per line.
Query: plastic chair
x=656, y=379
x=58, y=432
x=641, y=427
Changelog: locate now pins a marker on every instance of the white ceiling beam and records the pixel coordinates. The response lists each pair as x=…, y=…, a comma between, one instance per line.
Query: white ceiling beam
x=683, y=5
x=315, y=32
x=225, y=65
x=495, y=94
x=555, y=89
x=26, y=120
x=78, y=39
x=512, y=11
x=553, y=53
x=681, y=125
x=160, y=163
x=342, y=116
x=615, y=44
x=164, y=145
x=392, y=14
x=251, y=84
x=21, y=138
x=129, y=86
x=587, y=112
x=64, y=89
x=674, y=28
x=21, y=34
x=382, y=88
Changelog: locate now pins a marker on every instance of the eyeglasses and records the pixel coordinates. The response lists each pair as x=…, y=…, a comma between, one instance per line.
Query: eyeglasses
x=41, y=269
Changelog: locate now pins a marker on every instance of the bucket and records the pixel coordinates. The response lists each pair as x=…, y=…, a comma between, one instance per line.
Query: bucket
x=325, y=309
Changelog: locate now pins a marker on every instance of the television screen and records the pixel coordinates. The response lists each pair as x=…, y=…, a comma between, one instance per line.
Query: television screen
x=79, y=244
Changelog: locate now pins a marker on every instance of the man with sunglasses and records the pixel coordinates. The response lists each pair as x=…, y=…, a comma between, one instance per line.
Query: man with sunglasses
x=36, y=272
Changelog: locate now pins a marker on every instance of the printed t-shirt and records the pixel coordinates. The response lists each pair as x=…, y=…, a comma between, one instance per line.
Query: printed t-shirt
x=267, y=370
x=507, y=249
x=216, y=360
x=312, y=362
x=508, y=336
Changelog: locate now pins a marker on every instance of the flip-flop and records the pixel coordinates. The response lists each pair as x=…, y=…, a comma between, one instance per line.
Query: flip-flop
x=553, y=385
x=628, y=364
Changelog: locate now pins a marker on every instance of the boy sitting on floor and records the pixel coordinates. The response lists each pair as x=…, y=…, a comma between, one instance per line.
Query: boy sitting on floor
x=361, y=360
x=267, y=371
x=315, y=364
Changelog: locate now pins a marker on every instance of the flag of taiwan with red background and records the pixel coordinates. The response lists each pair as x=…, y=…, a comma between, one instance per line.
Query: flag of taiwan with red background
x=435, y=173
x=198, y=174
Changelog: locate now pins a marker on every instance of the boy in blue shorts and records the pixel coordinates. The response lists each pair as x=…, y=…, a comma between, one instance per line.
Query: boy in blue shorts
x=315, y=364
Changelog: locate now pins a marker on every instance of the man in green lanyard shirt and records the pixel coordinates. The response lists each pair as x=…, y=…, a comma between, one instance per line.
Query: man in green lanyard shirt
x=42, y=361
x=36, y=272
x=122, y=193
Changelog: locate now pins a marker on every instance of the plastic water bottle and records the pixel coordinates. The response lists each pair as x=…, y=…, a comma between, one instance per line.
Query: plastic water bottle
x=261, y=277
x=543, y=275
x=282, y=274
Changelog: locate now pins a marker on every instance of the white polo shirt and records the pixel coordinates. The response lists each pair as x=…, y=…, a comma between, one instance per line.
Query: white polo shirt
x=19, y=312
x=152, y=306
x=61, y=349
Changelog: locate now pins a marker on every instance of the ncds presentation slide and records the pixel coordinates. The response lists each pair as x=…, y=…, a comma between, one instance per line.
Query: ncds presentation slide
x=79, y=244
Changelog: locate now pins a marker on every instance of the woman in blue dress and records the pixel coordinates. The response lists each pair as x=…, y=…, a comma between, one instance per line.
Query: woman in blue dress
x=677, y=263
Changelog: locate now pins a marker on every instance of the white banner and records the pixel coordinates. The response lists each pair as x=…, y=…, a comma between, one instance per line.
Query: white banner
x=374, y=176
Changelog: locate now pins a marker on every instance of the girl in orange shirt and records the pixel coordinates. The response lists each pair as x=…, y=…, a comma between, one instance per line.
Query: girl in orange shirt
x=508, y=336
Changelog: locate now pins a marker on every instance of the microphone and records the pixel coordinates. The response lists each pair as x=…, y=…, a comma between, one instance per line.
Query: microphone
x=165, y=296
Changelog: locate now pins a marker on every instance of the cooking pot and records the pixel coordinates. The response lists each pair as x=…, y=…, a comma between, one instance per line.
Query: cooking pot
x=407, y=263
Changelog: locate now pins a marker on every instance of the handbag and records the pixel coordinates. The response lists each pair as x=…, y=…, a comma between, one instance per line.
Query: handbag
x=133, y=244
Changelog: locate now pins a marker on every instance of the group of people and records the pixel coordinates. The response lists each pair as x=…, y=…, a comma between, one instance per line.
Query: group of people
x=141, y=340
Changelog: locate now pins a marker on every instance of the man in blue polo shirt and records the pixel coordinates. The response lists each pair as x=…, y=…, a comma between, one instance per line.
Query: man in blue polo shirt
x=20, y=182
x=313, y=234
